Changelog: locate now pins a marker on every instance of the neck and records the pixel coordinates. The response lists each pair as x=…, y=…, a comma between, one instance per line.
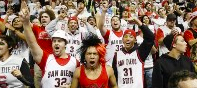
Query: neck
x=174, y=53
x=64, y=55
x=5, y=56
x=90, y=68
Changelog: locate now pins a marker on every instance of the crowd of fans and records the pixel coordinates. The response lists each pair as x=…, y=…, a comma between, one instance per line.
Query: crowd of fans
x=98, y=43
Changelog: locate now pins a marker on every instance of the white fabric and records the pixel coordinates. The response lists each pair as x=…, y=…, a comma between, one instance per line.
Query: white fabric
x=6, y=67
x=130, y=70
x=56, y=75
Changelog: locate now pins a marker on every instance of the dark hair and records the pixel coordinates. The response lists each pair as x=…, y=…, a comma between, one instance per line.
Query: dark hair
x=21, y=29
x=115, y=16
x=91, y=17
x=90, y=40
x=9, y=40
x=142, y=18
x=49, y=12
x=147, y=4
x=183, y=75
x=158, y=11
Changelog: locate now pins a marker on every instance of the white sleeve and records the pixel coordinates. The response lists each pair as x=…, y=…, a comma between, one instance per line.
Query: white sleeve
x=50, y=28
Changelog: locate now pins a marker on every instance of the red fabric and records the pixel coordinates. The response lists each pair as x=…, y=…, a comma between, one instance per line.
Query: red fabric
x=42, y=64
x=106, y=36
x=131, y=32
x=43, y=38
x=72, y=18
x=159, y=34
x=100, y=82
x=164, y=2
x=62, y=61
x=188, y=35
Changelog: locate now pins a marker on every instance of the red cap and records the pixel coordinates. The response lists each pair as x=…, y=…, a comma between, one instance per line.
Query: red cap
x=164, y=2
x=131, y=32
x=72, y=18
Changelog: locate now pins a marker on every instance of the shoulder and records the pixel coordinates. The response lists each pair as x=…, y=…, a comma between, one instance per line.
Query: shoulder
x=77, y=72
x=109, y=70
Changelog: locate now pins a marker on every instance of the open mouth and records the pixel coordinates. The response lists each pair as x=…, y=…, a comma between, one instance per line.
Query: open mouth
x=92, y=62
x=57, y=47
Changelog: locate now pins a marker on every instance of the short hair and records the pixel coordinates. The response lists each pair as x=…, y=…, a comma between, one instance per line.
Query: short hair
x=49, y=12
x=9, y=40
x=183, y=75
x=91, y=17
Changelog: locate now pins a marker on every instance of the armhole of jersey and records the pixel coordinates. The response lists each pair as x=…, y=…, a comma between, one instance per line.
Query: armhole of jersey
x=114, y=66
x=138, y=55
x=77, y=63
x=106, y=36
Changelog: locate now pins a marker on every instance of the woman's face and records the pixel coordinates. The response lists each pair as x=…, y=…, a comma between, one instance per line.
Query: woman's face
x=17, y=23
x=146, y=20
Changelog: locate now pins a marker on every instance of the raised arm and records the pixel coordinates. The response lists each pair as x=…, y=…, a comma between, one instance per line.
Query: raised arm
x=17, y=32
x=146, y=46
x=35, y=49
x=102, y=19
x=2, y=27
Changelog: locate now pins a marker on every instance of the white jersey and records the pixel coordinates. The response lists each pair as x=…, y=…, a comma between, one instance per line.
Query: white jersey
x=74, y=42
x=114, y=44
x=6, y=78
x=130, y=70
x=107, y=24
x=166, y=31
x=56, y=75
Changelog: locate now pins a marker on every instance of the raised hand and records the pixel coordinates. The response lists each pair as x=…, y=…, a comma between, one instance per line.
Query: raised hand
x=62, y=16
x=24, y=13
x=104, y=6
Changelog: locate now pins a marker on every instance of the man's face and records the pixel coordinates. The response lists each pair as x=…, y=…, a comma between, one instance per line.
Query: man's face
x=148, y=7
x=45, y=19
x=81, y=5
x=58, y=46
x=125, y=14
x=92, y=57
x=115, y=23
x=3, y=47
x=92, y=21
x=171, y=23
x=191, y=83
x=162, y=12
x=128, y=41
x=73, y=26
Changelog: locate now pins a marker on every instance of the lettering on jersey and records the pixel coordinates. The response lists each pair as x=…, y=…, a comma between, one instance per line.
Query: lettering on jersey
x=81, y=23
x=8, y=69
x=128, y=80
x=127, y=70
x=118, y=43
x=56, y=73
x=43, y=35
x=77, y=42
x=127, y=62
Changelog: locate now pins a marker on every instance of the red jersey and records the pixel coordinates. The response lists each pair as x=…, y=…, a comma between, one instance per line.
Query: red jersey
x=43, y=39
x=100, y=82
